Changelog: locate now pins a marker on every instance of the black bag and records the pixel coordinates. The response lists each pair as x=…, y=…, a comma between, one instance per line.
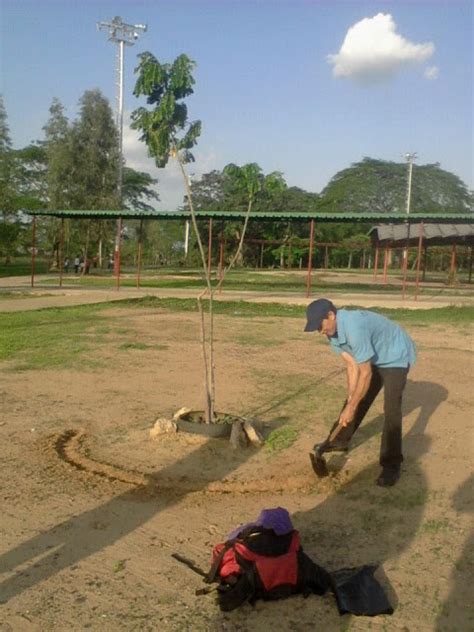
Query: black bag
x=358, y=592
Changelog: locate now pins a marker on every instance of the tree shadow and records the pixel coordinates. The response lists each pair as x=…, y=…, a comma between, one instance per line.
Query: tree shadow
x=335, y=533
x=457, y=612
x=64, y=544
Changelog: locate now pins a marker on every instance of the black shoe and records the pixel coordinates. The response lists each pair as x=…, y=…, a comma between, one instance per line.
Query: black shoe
x=388, y=477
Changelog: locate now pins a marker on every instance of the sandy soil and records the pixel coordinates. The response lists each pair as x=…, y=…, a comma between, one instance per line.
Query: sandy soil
x=91, y=548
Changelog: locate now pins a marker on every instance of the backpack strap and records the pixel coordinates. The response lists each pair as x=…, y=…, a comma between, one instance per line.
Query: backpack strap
x=214, y=570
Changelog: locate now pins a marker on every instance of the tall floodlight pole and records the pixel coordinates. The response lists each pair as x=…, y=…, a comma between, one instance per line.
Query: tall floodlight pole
x=409, y=158
x=123, y=35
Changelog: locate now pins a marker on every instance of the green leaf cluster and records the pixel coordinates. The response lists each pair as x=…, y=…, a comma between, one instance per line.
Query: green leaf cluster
x=165, y=128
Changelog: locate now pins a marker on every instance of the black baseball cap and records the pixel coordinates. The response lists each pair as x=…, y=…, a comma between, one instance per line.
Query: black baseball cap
x=316, y=312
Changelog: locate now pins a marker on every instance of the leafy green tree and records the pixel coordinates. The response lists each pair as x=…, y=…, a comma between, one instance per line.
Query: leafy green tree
x=31, y=177
x=59, y=157
x=167, y=132
x=250, y=184
x=7, y=166
x=10, y=226
x=136, y=186
x=381, y=186
x=95, y=154
x=219, y=191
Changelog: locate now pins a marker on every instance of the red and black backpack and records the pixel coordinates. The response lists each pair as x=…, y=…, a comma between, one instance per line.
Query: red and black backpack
x=259, y=564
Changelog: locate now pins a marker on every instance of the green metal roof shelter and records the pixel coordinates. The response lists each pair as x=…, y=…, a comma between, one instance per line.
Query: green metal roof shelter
x=269, y=216
x=284, y=216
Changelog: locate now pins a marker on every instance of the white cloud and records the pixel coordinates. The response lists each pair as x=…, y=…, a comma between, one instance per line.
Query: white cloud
x=170, y=185
x=432, y=72
x=373, y=51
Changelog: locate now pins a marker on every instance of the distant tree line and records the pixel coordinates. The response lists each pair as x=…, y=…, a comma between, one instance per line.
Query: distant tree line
x=75, y=166
x=369, y=186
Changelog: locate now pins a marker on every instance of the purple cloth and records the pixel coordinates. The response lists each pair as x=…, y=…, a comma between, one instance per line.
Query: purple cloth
x=277, y=519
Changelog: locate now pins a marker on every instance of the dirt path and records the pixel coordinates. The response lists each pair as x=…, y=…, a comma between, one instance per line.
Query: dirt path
x=19, y=296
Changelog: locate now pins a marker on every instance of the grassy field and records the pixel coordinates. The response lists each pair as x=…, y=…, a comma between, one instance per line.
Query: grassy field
x=70, y=332
x=22, y=267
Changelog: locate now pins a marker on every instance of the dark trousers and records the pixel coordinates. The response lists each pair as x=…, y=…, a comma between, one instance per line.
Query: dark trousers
x=393, y=381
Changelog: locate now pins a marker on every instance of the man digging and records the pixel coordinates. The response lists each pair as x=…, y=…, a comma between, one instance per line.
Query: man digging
x=377, y=352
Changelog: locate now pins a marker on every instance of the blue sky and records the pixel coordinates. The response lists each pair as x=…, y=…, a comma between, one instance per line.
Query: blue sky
x=303, y=87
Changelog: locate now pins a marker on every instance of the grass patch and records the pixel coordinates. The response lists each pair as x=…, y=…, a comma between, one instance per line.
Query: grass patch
x=21, y=294
x=281, y=438
x=49, y=338
x=260, y=281
x=133, y=345
x=22, y=267
x=254, y=340
x=58, y=336
x=435, y=526
x=443, y=315
x=140, y=346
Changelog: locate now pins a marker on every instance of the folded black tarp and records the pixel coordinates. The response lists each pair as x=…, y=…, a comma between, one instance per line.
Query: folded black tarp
x=358, y=592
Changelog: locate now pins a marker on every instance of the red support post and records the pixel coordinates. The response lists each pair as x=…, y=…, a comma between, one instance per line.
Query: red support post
x=376, y=262
x=453, y=260
x=418, y=260
x=310, y=259
x=385, y=263
x=405, y=272
x=33, y=251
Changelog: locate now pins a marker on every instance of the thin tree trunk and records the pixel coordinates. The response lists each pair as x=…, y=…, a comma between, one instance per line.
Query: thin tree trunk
x=208, y=358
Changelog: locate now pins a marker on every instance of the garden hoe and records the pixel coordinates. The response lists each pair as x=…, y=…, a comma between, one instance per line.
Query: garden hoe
x=317, y=459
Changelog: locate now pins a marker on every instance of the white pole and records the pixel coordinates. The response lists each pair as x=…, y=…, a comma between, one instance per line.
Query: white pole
x=186, y=239
x=120, y=116
x=410, y=171
x=409, y=158
x=121, y=34
x=118, y=232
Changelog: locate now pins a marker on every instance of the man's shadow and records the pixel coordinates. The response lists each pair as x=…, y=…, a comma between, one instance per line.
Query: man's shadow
x=361, y=523
x=457, y=612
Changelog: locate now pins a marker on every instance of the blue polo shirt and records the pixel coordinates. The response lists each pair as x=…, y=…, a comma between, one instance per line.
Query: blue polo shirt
x=370, y=337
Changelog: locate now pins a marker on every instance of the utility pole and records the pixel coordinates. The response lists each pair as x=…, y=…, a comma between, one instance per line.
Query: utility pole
x=123, y=35
x=409, y=158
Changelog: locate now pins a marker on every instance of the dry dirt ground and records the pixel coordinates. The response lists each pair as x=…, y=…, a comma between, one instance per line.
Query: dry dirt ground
x=91, y=548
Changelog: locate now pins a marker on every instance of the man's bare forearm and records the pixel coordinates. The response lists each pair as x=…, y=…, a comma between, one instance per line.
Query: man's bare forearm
x=362, y=385
x=352, y=379
x=358, y=379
